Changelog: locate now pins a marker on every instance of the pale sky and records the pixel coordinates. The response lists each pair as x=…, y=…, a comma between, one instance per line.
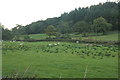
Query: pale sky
x=24, y=12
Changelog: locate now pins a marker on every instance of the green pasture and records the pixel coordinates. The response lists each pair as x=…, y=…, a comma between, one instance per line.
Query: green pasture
x=112, y=36
x=59, y=60
x=38, y=36
x=34, y=36
x=109, y=37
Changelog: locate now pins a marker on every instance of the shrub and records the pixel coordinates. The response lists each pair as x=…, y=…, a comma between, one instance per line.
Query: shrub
x=26, y=37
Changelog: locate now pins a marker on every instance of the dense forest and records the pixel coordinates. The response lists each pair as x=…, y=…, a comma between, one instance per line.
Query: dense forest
x=80, y=20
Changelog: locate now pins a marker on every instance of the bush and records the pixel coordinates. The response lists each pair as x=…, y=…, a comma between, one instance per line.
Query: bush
x=16, y=38
x=66, y=36
x=26, y=37
x=80, y=38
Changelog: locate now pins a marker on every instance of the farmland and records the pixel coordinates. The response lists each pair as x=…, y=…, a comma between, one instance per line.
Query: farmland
x=112, y=36
x=59, y=60
x=79, y=43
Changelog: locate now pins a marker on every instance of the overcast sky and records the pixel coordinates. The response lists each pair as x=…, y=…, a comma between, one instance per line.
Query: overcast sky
x=24, y=12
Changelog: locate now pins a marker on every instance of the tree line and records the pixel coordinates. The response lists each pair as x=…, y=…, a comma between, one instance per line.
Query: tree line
x=96, y=18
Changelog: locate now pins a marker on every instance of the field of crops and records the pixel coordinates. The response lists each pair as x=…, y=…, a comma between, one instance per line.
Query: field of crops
x=59, y=59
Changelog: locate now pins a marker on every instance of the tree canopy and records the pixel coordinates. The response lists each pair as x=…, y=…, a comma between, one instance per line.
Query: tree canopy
x=51, y=31
x=101, y=25
x=81, y=27
x=101, y=17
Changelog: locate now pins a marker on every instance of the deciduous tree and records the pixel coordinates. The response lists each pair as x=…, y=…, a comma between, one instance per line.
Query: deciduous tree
x=51, y=31
x=101, y=25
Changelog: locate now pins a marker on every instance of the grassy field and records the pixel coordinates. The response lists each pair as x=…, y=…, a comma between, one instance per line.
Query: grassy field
x=59, y=60
x=109, y=37
x=34, y=36
x=38, y=36
x=112, y=36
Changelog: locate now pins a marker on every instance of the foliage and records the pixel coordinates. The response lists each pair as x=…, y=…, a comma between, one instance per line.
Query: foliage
x=64, y=27
x=26, y=37
x=81, y=27
x=17, y=37
x=51, y=31
x=101, y=25
x=57, y=34
x=6, y=34
x=65, y=22
x=18, y=30
x=1, y=27
x=65, y=36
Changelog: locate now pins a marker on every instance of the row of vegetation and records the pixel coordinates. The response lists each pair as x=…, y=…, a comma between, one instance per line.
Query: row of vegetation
x=87, y=50
x=96, y=19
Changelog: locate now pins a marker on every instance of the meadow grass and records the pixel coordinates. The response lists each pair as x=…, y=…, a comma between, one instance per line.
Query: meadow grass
x=38, y=36
x=66, y=60
x=112, y=36
x=109, y=37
